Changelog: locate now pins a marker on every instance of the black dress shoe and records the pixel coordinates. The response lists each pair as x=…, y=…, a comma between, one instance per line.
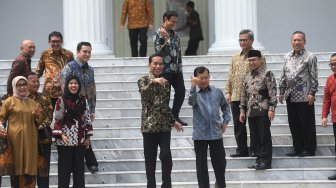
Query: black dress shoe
x=263, y=166
x=253, y=154
x=333, y=177
x=253, y=166
x=306, y=153
x=293, y=153
x=180, y=121
x=93, y=169
x=239, y=155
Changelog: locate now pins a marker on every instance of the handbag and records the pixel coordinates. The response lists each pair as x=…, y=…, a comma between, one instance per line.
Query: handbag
x=44, y=133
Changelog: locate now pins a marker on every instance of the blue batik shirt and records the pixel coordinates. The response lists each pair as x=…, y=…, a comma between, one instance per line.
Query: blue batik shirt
x=207, y=105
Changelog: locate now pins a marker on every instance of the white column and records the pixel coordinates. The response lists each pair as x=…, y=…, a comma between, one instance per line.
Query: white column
x=231, y=16
x=85, y=20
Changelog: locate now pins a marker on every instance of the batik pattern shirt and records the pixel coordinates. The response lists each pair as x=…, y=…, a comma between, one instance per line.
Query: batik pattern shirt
x=259, y=93
x=20, y=66
x=156, y=116
x=75, y=129
x=85, y=73
x=46, y=115
x=299, y=77
x=206, y=107
x=169, y=48
x=51, y=65
x=139, y=13
x=238, y=69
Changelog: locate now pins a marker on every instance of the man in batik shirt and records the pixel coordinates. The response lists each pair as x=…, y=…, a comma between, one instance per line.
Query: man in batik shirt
x=257, y=102
x=156, y=121
x=21, y=65
x=167, y=44
x=51, y=64
x=44, y=131
x=298, y=85
x=238, y=69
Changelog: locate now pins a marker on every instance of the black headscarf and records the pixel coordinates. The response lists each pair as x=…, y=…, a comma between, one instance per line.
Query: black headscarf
x=67, y=93
x=72, y=111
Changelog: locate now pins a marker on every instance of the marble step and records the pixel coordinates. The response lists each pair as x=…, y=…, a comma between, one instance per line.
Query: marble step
x=135, y=120
x=134, y=95
x=121, y=131
x=125, y=111
x=135, y=104
x=136, y=153
x=231, y=184
x=186, y=141
x=215, y=76
x=122, y=177
x=200, y=59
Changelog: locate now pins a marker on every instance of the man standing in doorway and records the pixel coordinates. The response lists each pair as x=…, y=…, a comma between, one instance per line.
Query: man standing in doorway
x=195, y=29
x=167, y=44
x=140, y=18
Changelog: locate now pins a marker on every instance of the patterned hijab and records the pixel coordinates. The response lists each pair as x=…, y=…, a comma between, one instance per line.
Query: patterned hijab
x=15, y=90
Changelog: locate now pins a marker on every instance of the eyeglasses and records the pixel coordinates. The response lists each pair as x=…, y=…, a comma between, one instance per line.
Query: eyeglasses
x=332, y=65
x=243, y=40
x=55, y=41
x=21, y=86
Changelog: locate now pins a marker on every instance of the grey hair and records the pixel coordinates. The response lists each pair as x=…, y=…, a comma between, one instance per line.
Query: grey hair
x=248, y=32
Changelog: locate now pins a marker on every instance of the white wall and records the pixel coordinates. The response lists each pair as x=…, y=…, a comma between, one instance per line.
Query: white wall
x=278, y=19
x=28, y=19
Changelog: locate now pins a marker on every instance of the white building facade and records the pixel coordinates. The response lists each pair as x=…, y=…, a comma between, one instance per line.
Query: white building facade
x=97, y=21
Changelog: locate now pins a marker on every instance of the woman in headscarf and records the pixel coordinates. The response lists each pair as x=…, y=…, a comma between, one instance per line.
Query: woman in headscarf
x=72, y=129
x=20, y=114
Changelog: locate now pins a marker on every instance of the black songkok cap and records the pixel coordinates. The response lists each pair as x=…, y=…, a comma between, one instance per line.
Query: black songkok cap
x=254, y=53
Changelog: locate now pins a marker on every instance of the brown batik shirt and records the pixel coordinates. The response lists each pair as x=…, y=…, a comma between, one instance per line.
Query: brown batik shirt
x=51, y=65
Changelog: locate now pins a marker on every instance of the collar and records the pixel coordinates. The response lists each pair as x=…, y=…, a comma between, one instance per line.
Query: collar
x=81, y=65
x=169, y=31
x=27, y=58
x=51, y=51
x=35, y=95
x=205, y=90
x=300, y=53
x=257, y=72
x=245, y=54
x=151, y=76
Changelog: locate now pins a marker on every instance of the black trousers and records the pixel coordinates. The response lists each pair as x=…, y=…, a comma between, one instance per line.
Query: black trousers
x=239, y=129
x=141, y=35
x=192, y=47
x=71, y=160
x=151, y=141
x=176, y=80
x=43, y=182
x=261, y=132
x=218, y=161
x=301, y=119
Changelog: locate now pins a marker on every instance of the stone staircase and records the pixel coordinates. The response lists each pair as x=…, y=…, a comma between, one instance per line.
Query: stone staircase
x=117, y=141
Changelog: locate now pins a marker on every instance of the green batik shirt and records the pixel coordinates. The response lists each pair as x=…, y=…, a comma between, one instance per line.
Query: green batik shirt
x=156, y=114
